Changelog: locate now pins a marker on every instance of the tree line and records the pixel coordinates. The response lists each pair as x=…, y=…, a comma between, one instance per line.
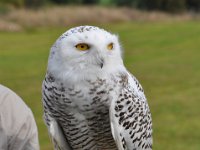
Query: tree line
x=163, y=5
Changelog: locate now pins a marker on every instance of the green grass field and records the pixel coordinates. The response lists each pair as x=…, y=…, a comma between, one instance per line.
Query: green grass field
x=164, y=56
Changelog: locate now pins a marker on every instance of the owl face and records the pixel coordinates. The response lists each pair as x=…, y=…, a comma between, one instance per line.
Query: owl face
x=86, y=48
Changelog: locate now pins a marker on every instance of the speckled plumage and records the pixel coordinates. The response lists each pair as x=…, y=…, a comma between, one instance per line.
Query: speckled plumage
x=91, y=102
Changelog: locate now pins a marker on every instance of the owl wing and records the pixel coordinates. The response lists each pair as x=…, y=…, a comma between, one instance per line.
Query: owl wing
x=130, y=116
x=55, y=131
x=57, y=136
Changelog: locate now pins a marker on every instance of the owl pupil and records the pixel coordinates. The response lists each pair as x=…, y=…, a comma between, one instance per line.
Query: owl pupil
x=82, y=46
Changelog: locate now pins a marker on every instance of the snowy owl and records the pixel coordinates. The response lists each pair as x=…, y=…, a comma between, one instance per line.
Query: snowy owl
x=91, y=101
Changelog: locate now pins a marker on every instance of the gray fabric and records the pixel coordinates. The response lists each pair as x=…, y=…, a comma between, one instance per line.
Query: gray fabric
x=18, y=130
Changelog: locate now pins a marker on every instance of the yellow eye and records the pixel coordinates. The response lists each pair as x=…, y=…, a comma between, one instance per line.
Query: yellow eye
x=82, y=46
x=110, y=46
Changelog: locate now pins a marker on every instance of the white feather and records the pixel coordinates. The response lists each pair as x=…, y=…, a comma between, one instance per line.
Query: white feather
x=57, y=136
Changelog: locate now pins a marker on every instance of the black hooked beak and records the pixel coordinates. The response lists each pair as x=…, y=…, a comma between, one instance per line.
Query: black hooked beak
x=101, y=62
x=101, y=65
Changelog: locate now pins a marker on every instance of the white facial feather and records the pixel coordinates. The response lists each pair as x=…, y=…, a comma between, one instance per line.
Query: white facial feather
x=66, y=59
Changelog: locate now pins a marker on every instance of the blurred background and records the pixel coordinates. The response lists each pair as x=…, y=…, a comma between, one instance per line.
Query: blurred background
x=161, y=42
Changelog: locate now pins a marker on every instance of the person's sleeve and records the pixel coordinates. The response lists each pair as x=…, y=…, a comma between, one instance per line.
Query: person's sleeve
x=18, y=129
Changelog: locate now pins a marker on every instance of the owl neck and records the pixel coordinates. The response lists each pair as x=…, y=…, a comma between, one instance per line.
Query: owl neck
x=76, y=74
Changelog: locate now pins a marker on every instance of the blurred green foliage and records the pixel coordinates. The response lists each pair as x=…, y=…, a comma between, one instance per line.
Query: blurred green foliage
x=165, y=5
x=17, y=3
x=3, y=9
x=24, y=3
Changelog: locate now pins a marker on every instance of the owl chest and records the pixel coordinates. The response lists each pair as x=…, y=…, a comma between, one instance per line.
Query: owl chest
x=87, y=98
x=89, y=115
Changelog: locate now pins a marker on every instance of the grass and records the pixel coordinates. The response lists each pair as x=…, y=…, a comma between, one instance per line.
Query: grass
x=164, y=56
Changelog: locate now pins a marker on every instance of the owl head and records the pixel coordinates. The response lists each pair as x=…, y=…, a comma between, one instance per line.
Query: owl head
x=85, y=51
